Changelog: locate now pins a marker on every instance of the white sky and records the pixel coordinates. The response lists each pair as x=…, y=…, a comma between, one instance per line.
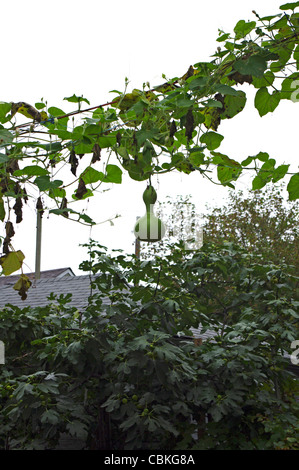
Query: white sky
x=52, y=50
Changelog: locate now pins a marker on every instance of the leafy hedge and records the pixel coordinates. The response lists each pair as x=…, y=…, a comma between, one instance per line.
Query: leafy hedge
x=128, y=375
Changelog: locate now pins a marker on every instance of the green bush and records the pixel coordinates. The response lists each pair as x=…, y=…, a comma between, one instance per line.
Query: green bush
x=127, y=374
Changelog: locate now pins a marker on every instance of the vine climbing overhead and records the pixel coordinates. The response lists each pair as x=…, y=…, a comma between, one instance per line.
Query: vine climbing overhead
x=171, y=127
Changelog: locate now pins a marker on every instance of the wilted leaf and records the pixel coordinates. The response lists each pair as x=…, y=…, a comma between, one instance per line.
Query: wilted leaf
x=73, y=160
x=81, y=190
x=22, y=285
x=189, y=125
x=18, y=210
x=96, y=155
x=12, y=262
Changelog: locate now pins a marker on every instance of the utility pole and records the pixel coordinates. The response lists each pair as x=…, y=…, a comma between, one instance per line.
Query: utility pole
x=39, y=214
x=137, y=251
x=137, y=245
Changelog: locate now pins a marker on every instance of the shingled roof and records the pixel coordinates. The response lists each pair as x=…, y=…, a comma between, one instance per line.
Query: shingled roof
x=49, y=274
x=37, y=295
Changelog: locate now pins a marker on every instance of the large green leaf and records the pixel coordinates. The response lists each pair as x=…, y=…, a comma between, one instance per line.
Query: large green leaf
x=31, y=170
x=243, y=28
x=44, y=183
x=266, y=102
x=90, y=175
x=293, y=187
x=113, y=175
x=289, y=6
x=264, y=175
x=227, y=169
x=233, y=104
x=211, y=139
x=255, y=65
x=266, y=80
x=225, y=90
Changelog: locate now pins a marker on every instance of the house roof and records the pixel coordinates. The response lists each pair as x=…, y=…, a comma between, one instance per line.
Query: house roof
x=40, y=290
x=49, y=274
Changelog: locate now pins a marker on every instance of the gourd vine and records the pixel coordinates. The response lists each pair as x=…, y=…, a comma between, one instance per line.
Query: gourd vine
x=151, y=131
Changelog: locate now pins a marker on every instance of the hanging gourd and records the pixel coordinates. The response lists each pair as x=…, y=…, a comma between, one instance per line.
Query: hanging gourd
x=149, y=228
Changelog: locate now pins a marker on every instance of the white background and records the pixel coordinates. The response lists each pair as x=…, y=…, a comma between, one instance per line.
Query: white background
x=51, y=50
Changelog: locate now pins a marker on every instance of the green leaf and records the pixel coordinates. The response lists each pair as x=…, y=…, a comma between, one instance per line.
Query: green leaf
x=284, y=54
x=262, y=156
x=211, y=139
x=76, y=99
x=243, y=28
x=289, y=6
x=227, y=169
x=255, y=65
x=247, y=161
x=78, y=429
x=264, y=102
x=12, y=262
x=226, y=90
x=32, y=170
x=44, y=183
x=40, y=105
x=223, y=37
x=293, y=187
x=143, y=135
x=198, y=83
x=107, y=141
x=5, y=137
x=90, y=175
x=50, y=416
x=279, y=172
x=4, y=158
x=5, y=108
x=265, y=174
x=113, y=175
x=52, y=147
x=233, y=104
x=266, y=80
x=56, y=112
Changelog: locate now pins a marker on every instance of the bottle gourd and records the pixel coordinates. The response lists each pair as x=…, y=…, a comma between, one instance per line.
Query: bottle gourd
x=149, y=228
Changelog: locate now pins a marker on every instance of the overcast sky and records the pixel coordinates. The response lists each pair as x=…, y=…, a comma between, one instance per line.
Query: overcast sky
x=53, y=50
